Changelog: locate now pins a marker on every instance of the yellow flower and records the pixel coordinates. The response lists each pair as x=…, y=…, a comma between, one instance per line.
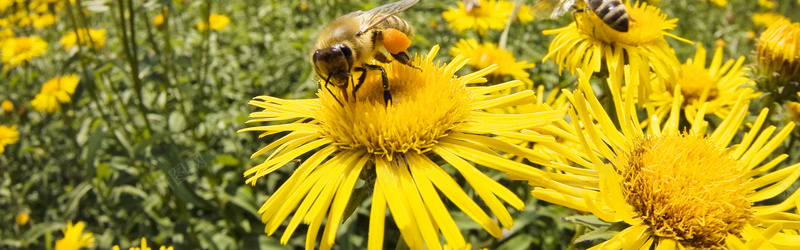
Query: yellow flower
x=766, y=4
x=675, y=189
x=22, y=217
x=524, y=15
x=488, y=14
x=778, y=54
x=720, y=3
x=43, y=21
x=143, y=246
x=767, y=18
x=218, y=22
x=8, y=106
x=432, y=113
x=55, y=92
x=158, y=20
x=716, y=88
x=8, y=136
x=93, y=38
x=487, y=54
x=588, y=43
x=17, y=51
x=4, y=4
x=74, y=238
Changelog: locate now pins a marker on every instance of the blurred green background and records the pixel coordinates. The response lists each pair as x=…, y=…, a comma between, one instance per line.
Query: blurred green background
x=148, y=146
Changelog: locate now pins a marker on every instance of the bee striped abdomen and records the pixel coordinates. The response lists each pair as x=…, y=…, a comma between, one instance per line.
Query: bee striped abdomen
x=397, y=23
x=612, y=12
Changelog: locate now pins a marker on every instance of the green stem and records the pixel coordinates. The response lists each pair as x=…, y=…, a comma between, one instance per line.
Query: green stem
x=132, y=57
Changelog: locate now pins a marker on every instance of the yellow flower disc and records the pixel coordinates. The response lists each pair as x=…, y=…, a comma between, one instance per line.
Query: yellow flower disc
x=686, y=188
x=17, y=51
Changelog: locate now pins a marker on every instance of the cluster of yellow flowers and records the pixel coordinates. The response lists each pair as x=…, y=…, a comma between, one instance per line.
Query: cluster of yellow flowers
x=75, y=239
x=679, y=178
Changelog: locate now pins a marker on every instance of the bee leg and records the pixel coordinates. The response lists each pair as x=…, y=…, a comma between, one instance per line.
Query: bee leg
x=403, y=58
x=385, y=79
x=361, y=79
x=379, y=56
x=327, y=80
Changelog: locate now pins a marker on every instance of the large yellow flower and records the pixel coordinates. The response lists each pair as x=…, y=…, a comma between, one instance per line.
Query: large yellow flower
x=487, y=54
x=487, y=14
x=8, y=136
x=588, y=43
x=717, y=87
x=74, y=238
x=17, y=51
x=778, y=55
x=92, y=38
x=432, y=112
x=675, y=189
x=55, y=92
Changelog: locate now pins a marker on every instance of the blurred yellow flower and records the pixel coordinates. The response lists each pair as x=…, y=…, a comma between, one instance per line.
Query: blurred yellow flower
x=17, y=51
x=74, y=238
x=4, y=4
x=767, y=18
x=93, y=38
x=766, y=4
x=589, y=43
x=22, y=217
x=487, y=54
x=43, y=21
x=524, y=15
x=488, y=14
x=8, y=136
x=675, y=188
x=716, y=89
x=218, y=22
x=8, y=106
x=158, y=20
x=55, y=92
x=432, y=113
x=143, y=246
x=778, y=55
x=720, y=3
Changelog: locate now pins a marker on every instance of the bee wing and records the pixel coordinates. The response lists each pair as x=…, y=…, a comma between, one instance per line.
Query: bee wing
x=377, y=15
x=551, y=9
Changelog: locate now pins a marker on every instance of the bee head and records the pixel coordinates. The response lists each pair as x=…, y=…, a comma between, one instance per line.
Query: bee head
x=334, y=63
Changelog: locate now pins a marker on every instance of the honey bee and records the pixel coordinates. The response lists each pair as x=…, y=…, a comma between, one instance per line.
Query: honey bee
x=613, y=12
x=348, y=43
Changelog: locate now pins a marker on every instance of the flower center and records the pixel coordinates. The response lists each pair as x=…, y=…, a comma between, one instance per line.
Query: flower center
x=646, y=25
x=686, y=188
x=694, y=80
x=426, y=103
x=22, y=45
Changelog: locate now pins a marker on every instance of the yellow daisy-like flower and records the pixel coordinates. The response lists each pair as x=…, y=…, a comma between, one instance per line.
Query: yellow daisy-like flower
x=74, y=238
x=487, y=54
x=93, y=38
x=767, y=18
x=22, y=217
x=488, y=14
x=55, y=92
x=143, y=246
x=8, y=136
x=675, y=189
x=717, y=87
x=720, y=3
x=17, y=51
x=8, y=106
x=586, y=43
x=4, y=4
x=432, y=112
x=218, y=22
x=43, y=21
x=525, y=14
x=778, y=54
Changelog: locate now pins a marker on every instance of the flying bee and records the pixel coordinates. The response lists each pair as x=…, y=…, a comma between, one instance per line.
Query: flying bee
x=349, y=42
x=613, y=12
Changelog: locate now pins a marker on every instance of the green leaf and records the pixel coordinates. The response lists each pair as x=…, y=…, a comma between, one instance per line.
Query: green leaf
x=94, y=145
x=75, y=197
x=177, y=122
x=227, y=160
x=518, y=242
x=40, y=229
x=601, y=233
x=359, y=194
